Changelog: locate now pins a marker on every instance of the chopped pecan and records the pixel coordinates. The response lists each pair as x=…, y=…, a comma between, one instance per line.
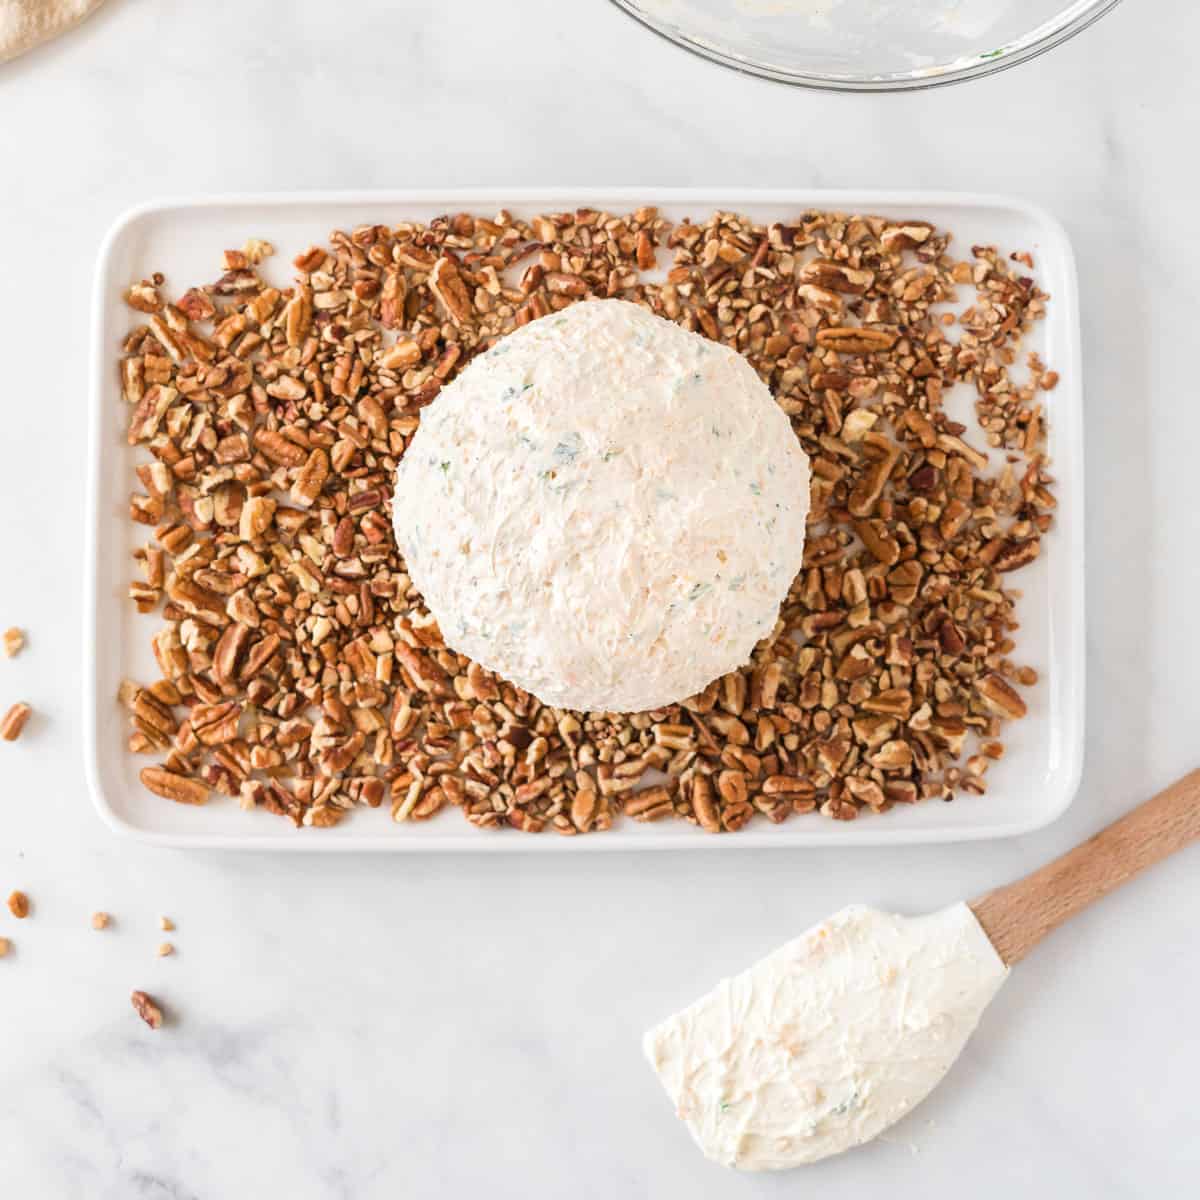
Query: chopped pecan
x=847, y=339
x=144, y=297
x=1013, y=555
x=196, y=305
x=215, y=724
x=425, y=672
x=792, y=786
x=228, y=655
x=147, y=1008
x=447, y=285
x=255, y=518
x=870, y=487
x=311, y=479
x=14, y=721
x=401, y=355
x=905, y=236
x=999, y=695
x=704, y=804
x=258, y=656
x=837, y=276
x=649, y=805
x=172, y=786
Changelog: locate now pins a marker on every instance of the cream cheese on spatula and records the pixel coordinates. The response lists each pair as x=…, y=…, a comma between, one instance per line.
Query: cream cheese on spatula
x=829, y=1040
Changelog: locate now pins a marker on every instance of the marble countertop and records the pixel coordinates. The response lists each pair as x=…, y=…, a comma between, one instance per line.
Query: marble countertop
x=459, y=1027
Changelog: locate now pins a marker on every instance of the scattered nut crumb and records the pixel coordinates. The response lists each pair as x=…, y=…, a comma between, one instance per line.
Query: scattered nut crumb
x=100, y=920
x=18, y=905
x=164, y=949
x=4, y=946
x=13, y=641
x=147, y=1009
x=166, y=924
x=14, y=722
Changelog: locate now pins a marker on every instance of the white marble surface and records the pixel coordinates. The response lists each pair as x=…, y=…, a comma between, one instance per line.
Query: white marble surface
x=462, y=1027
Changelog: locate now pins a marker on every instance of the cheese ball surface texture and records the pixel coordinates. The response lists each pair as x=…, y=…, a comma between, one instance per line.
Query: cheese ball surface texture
x=604, y=509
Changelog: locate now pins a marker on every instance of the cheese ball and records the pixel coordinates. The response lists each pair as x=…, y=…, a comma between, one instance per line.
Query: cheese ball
x=604, y=509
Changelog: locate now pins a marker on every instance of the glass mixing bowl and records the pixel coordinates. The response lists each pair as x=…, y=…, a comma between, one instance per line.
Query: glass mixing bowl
x=867, y=45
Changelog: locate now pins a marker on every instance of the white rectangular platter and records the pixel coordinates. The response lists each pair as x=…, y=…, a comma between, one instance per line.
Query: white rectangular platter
x=1030, y=787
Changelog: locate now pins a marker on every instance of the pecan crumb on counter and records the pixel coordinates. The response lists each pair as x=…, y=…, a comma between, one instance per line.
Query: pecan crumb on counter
x=301, y=673
x=12, y=724
x=146, y=1008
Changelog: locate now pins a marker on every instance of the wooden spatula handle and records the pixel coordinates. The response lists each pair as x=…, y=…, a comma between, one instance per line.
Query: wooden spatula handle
x=1018, y=916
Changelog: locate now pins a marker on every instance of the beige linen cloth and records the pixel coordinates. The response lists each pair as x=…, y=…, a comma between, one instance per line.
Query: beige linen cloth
x=27, y=23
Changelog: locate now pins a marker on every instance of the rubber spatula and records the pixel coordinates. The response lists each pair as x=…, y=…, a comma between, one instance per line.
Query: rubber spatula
x=837, y=1035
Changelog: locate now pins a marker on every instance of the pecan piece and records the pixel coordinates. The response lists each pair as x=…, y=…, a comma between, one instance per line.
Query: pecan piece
x=583, y=808
x=147, y=1009
x=285, y=387
x=13, y=722
x=564, y=284
x=144, y=297
x=704, y=805
x=870, y=487
x=907, y=235
x=426, y=674
x=196, y=305
x=279, y=449
x=173, y=786
x=149, y=709
x=255, y=518
x=892, y=756
x=192, y=597
x=311, y=479
x=237, y=282
x=258, y=657
x=1014, y=555
x=228, y=656
x=645, y=251
x=849, y=339
x=823, y=300
x=447, y=285
x=215, y=724
x=340, y=755
x=837, y=276
x=876, y=537
x=796, y=787
x=649, y=805
x=865, y=791
x=297, y=317
x=400, y=356
x=732, y=786
x=896, y=702
x=1000, y=696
